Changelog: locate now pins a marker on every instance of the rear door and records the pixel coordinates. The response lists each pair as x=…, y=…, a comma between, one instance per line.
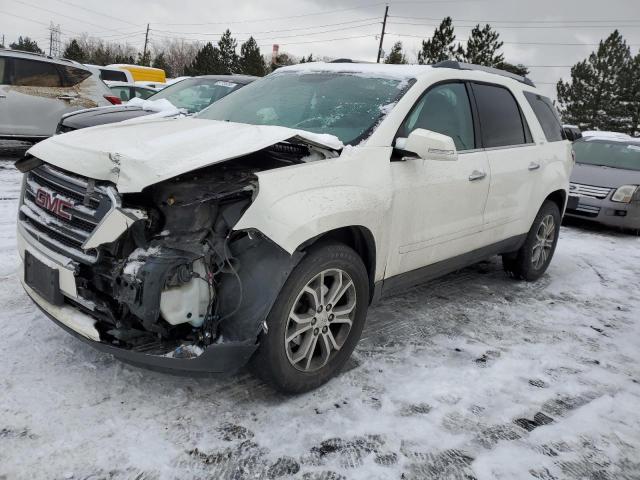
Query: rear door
x=513, y=161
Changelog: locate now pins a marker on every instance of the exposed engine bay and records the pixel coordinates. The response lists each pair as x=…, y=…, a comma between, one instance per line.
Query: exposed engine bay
x=179, y=278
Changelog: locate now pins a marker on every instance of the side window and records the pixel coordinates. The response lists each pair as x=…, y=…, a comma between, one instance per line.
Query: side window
x=33, y=73
x=3, y=70
x=72, y=76
x=444, y=109
x=121, y=92
x=143, y=93
x=547, y=115
x=113, y=75
x=500, y=120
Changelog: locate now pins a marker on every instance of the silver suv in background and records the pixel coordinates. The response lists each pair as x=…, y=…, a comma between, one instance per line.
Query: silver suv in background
x=605, y=180
x=36, y=90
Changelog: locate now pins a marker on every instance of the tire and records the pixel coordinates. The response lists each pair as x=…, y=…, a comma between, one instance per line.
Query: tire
x=292, y=327
x=532, y=260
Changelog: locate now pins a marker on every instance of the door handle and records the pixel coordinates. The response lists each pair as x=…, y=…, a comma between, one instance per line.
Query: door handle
x=3, y=96
x=66, y=97
x=534, y=166
x=476, y=175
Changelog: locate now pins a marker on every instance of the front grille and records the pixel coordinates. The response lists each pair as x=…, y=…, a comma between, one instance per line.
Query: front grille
x=84, y=202
x=585, y=211
x=589, y=190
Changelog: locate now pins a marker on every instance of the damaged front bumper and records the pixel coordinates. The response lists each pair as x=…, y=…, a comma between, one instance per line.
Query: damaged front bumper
x=225, y=357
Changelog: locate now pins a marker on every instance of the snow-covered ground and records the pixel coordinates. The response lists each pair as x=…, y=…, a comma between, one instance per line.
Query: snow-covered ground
x=472, y=377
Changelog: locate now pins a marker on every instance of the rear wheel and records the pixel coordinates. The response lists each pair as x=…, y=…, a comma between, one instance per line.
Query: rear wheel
x=316, y=321
x=533, y=258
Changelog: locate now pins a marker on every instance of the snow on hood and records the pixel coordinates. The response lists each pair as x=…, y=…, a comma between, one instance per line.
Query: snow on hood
x=161, y=105
x=134, y=156
x=611, y=136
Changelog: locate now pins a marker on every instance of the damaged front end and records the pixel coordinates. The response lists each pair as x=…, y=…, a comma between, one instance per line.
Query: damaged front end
x=162, y=275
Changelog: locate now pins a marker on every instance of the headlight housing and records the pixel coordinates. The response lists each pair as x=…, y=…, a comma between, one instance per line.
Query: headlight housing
x=624, y=194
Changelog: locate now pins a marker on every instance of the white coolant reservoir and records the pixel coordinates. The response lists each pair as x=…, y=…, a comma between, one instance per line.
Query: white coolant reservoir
x=187, y=303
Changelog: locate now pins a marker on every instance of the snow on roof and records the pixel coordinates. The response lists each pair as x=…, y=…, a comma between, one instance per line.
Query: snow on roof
x=401, y=72
x=611, y=136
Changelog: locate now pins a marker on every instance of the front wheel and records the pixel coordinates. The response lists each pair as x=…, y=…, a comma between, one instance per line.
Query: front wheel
x=316, y=320
x=531, y=261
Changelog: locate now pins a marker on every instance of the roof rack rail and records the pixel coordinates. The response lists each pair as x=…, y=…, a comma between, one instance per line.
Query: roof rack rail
x=36, y=54
x=470, y=66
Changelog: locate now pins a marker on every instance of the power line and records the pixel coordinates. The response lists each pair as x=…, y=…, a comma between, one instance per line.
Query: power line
x=524, y=26
x=307, y=33
x=66, y=16
x=553, y=44
x=517, y=21
x=273, y=31
x=75, y=5
x=323, y=12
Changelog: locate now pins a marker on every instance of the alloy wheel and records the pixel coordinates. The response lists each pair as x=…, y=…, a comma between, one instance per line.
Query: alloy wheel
x=545, y=237
x=320, y=320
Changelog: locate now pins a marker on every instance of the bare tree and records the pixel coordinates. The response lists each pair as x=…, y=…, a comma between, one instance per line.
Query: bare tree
x=178, y=54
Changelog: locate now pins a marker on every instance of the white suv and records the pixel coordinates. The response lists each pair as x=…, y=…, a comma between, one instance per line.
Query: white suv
x=36, y=90
x=261, y=229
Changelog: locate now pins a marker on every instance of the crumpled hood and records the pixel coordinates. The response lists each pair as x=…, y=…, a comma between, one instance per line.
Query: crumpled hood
x=134, y=156
x=603, y=176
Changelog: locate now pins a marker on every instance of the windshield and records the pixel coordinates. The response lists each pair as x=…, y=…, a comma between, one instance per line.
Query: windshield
x=608, y=153
x=194, y=94
x=345, y=105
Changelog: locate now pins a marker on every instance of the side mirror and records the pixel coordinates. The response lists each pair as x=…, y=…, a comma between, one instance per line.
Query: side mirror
x=429, y=145
x=572, y=132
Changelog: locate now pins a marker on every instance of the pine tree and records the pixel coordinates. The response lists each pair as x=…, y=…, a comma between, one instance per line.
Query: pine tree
x=396, y=55
x=75, y=52
x=308, y=59
x=251, y=61
x=631, y=90
x=483, y=47
x=595, y=97
x=228, y=56
x=440, y=46
x=26, y=45
x=206, y=62
x=161, y=62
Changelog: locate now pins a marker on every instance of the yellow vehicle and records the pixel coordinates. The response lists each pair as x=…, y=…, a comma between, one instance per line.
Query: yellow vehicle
x=140, y=73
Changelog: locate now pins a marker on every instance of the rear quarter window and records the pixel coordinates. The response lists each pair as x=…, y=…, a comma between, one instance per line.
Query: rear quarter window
x=113, y=76
x=33, y=73
x=73, y=76
x=501, y=122
x=547, y=115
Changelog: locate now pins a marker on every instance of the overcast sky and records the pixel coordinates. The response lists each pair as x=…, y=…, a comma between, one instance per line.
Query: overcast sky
x=320, y=27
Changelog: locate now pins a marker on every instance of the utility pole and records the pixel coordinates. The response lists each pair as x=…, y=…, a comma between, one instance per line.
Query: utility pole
x=384, y=25
x=146, y=41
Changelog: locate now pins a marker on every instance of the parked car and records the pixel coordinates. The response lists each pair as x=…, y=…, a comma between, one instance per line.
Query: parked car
x=157, y=86
x=111, y=75
x=262, y=228
x=605, y=180
x=190, y=95
x=35, y=90
x=127, y=91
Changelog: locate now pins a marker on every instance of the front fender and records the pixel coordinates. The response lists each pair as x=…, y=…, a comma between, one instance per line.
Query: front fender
x=298, y=203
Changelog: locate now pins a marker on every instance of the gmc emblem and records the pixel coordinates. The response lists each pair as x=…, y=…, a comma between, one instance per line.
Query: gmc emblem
x=54, y=204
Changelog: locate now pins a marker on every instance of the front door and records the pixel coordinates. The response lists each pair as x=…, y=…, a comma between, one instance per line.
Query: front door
x=438, y=206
